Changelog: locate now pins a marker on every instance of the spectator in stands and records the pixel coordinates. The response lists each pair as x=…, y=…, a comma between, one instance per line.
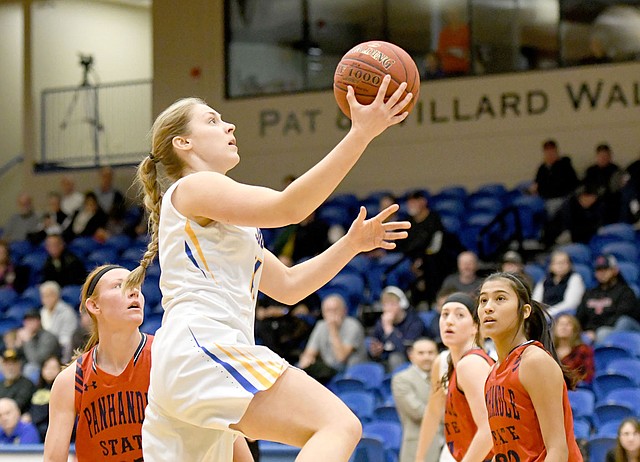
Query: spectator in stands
x=284, y=329
x=52, y=221
x=605, y=177
x=337, y=341
x=90, y=220
x=574, y=354
x=411, y=389
x=398, y=327
x=62, y=266
x=109, y=198
x=556, y=179
x=577, y=220
x=71, y=200
x=611, y=305
x=12, y=429
x=466, y=279
x=628, y=442
x=597, y=51
x=23, y=222
x=433, y=67
x=39, y=411
x=512, y=262
x=7, y=270
x=630, y=193
x=423, y=246
x=58, y=317
x=305, y=239
x=15, y=385
x=35, y=343
x=454, y=44
x=82, y=332
x=562, y=289
x=433, y=329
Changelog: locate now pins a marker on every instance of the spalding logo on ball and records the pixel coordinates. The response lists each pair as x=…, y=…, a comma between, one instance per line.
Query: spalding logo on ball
x=365, y=65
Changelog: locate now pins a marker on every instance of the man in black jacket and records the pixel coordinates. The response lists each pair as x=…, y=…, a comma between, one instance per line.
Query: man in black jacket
x=611, y=305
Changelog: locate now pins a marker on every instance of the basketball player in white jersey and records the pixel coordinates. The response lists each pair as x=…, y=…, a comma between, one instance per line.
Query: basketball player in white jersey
x=209, y=382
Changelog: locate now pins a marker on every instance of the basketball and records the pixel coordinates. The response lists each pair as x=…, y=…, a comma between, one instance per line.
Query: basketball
x=365, y=65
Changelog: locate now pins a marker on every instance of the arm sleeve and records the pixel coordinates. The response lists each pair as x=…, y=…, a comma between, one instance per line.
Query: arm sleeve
x=538, y=291
x=407, y=401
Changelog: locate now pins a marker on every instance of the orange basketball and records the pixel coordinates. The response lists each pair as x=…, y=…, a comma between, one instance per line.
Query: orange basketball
x=365, y=65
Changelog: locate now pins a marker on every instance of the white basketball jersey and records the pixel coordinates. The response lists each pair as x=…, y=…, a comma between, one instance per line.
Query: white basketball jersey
x=212, y=271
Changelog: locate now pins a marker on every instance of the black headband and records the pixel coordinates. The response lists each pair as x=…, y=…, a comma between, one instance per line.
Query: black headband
x=461, y=297
x=96, y=278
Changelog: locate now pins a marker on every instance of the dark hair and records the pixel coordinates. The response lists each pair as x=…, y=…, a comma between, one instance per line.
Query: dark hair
x=603, y=147
x=619, y=453
x=550, y=144
x=538, y=326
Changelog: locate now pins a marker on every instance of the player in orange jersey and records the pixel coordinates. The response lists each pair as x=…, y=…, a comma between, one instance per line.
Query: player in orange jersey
x=526, y=392
x=465, y=416
x=105, y=388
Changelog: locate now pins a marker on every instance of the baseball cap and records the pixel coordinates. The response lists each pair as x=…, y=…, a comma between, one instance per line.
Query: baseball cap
x=605, y=261
x=512, y=257
x=404, y=301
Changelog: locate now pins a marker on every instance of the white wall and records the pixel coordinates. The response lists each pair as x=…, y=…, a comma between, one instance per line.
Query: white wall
x=118, y=36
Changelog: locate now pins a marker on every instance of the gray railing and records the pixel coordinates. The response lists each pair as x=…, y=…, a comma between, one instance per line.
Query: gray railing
x=92, y=125
x=8, y=165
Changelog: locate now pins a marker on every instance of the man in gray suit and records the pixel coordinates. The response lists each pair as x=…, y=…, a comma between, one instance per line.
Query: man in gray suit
x=411, y=389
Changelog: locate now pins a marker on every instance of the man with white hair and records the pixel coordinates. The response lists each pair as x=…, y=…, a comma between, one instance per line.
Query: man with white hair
x=335, y=342
x=12, y=429
x=57, y=316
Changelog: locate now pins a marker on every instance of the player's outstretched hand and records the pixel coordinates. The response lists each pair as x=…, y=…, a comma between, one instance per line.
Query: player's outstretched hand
x=374, y=233
x=376, y=117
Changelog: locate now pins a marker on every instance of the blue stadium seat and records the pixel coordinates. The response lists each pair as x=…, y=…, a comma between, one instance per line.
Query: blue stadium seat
x=456, y=191
x=629, y=367
x=581, y=428
x=19, y=249
x=630, y=271
x=481, y=218
x=32, y=294
x=151, y=324
x=101, y=256
x=603, y=384
x=335, y=214
x=484, y=204
x=628, y=340
x=71, y=294
x=536, y=272
x=120, y=242
x=345, y=384
x=361, y=403
x=151, y=292
x=608, y=430
x=449, y=206
x=586, y=271
x=370, y=373
x=350, y=286
x=622, y=231
x=607, y=412
x=386, y=412
x=82, y=246
x=624, y=251
x=8, y=324
x=7, y=297
x=532, y=215
x=628, y=396
x=579, y=253
x=369, y=450
x=494, y=189
x=599, y=446
x=389, y=432
x=582, y=402
x=451, y=223
x=605, y=354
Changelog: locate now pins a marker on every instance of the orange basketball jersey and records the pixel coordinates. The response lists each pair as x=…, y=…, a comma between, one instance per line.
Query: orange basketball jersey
x=514, y=425
x=111, y=408
x=459, y=427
